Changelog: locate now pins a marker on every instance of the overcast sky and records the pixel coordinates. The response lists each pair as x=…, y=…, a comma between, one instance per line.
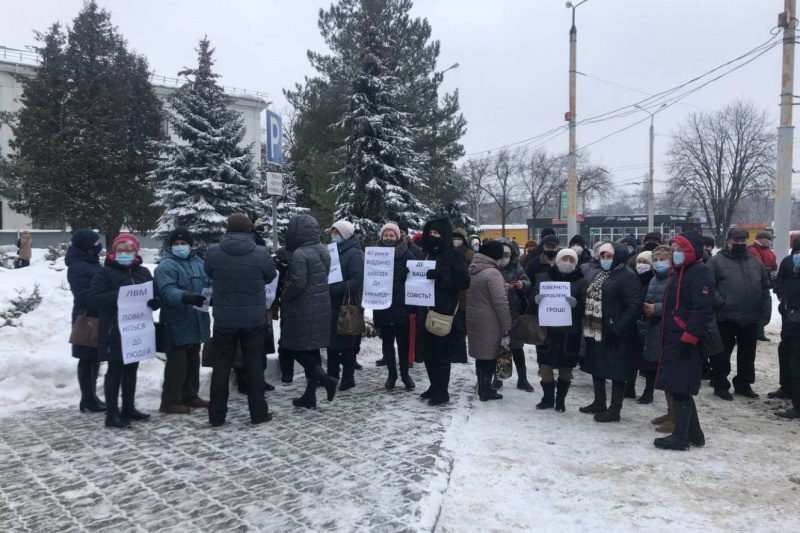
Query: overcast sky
x=513, y=57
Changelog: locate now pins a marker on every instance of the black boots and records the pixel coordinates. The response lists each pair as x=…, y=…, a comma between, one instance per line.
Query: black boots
x=442, y=382
x=112, y=385
x=485, y=372
x=128, y=393
x=599, y=403
x=286, y=363
x=612, y=414
x=549, y=396
x=309, y=398
x=696, y=436
x=518, y=355
x=679, y=440
x=348, y=358
x=86, y=381
x=428, y=394
x=647, y=395
x=328, y=382
x=562, y=388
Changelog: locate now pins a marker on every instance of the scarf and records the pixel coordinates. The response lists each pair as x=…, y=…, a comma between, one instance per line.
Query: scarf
x=593, y=317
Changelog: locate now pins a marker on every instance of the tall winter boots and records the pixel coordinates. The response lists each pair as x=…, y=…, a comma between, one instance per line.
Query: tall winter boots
x=612, y=414
x=666, y=423
x=518, y=354
x=441, y=395
x=87, y=383
x=309, y=398
x=679, y=440
x=485, y=372
x=647, y=396
x=549, y=396
x=431, y=370
x=562, y=388
x=129, y=410
x=112, y=385
x=599, y=403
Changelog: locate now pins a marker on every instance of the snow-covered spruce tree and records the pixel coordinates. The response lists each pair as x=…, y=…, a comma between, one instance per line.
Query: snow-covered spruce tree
x=210, y=177
x=457, y=212
x=379, y=174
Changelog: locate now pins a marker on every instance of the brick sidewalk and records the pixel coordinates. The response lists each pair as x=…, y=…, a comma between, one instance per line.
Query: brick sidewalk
x=369, y=461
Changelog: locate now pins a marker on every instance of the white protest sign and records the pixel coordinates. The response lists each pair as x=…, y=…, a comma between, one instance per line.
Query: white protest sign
x=207, y=293
x=271, y=289
x=419, y=289
x=554, y=309
x=335, y=273
x=135, y=320
x=378, y=277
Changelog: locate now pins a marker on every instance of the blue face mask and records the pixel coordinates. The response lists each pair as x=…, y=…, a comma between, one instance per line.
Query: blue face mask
x=605, y=264
x=125, y=258
x=661, y=267
x=678, y=258
x=181, y=250
x=796, y=260
x=97, y=248
x=769, y=244
x=336, y=239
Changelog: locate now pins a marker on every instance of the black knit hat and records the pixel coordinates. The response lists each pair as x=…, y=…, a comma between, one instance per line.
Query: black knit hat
x=653, y=236
x=577, y=239
x=551, y=239
x=441, y=227
x=546, y=232
x=403, y=225
x=83, y=239
x=708, y=241
x=493, y=249
x=738, y=233
x=180, y=234
x=239, y=223
x=796, y=245
x=763, y=235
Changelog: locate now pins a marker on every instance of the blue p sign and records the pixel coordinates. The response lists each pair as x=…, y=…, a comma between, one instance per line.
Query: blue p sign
x=274, y=139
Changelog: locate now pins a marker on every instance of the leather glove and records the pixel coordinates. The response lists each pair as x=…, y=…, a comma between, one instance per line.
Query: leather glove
x=611, y=339
x=687, y=349
x=505, y=341
x=572, y=301
x=194, y=299
x=154, y=304
x=538, y=298
x=431, y=274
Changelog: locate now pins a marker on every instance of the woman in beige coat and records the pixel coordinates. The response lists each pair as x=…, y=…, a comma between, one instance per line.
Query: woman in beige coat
x=24, y=248
x=488, y=316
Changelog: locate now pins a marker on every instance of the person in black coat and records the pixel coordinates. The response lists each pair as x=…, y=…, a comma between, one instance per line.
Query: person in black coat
x=578, y=245
x=341, y=350
x=123, y=267
x=612, y=307
x=394, y=322
x=83, y=264
x=450, y=276
x=687, y=310
x=787, y=287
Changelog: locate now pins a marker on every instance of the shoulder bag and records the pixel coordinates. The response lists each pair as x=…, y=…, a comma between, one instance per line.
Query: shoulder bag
x=351, y=317
x=84, y=331
x=439, y=324
x=528, y=330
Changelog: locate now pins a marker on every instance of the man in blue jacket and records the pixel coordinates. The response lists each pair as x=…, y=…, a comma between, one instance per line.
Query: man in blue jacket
x=239, y=269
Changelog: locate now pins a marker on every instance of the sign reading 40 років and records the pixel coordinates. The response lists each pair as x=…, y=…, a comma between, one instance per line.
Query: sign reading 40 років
x=135, y=320
x=420, y=289
x=378, y=277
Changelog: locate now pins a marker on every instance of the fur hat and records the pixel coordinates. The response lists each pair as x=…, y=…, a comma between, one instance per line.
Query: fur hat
x=566, y=252
x=239, y=223
x=125, y=238
x=346, y=229
x=83, y=239
x=493, y=249
x=390, y=226
x=180, y=234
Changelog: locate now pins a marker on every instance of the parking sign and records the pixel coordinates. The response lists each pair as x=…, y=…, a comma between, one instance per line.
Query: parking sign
x=274, y=138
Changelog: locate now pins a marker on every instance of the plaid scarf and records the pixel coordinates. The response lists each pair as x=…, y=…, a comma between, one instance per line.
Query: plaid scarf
x=593, y=317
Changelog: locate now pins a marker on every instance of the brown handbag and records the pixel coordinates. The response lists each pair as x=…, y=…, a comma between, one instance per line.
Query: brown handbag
x=84, y=331
x=528, y=330
x=351, y=317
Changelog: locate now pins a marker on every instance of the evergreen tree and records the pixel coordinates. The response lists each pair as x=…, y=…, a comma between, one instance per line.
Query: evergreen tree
x=211, y=175
x=85, y=138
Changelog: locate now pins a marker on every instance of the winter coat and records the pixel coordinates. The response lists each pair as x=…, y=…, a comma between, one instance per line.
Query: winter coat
x=512, y=272
x=785, y=273
x=239, y=269
x=306, y=299
x=652, y=334
x=765, y=255
x=398, y=312
x=687, y=311
x=584, y=257
x=742, y=289
x=103, y=293
x=565, y=341
x=351, y=259
x=537, y=268
x=173, y=278
x=25, y=245
x=414, y=249
x=82, y=266
x=622, y=307
x=788, y=290
x=488, y=315
x=451, y=270
x=590, y=269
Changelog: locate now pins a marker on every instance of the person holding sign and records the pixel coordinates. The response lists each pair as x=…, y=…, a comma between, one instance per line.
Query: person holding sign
x=123, y=267
x=613, y=306
x=488, y=315
x=449, y=276
x=180, y=281
x=341, y=350
x=564, y=342
x=394, y=322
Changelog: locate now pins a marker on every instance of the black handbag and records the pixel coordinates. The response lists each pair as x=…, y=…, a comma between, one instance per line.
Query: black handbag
x=163, y=337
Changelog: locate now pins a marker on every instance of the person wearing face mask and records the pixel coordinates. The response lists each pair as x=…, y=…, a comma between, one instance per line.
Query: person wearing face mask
x=762, y=250
x=179, y=281
x=564, y=342
x=530, y=246
x=450, y=276
x=787, y=287
x=653, y=311
x=708, y=248
x=83, y=263
x=474, y=243
x=341, y=351
x=394, y=322
x=518, y=286
x=592, y=268
x=123, y=267
x=540, y=265
x=644, y=269
x=578, y=245
x=631, y=245
x=613, y=306
x=688, y=310
x=651, y=241
x=743, y=303
x=460, y=241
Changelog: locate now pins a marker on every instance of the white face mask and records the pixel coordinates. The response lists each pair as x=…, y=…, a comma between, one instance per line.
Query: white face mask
x=566, y=267
x=504, y=262
x=457, y=243
x=577, y=248
x=641, y=268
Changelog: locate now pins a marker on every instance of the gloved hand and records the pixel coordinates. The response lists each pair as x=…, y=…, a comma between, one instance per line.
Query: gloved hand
x=611, y=339
x=431, y=274
x=505, y=341
x=538, y=298
x=572, y=301
x=194, y=299
x=154, y=304
x=687, y=349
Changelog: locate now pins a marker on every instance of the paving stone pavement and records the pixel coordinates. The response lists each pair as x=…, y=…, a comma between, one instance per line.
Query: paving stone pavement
x=369, y=461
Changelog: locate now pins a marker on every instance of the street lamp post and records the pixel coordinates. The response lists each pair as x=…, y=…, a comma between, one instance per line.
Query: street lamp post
x=572, y=157
x=651, y=204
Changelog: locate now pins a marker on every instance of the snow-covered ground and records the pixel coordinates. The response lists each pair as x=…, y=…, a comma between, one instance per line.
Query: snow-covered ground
x=503, y=465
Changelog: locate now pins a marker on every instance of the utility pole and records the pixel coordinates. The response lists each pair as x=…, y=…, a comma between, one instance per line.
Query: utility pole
x=572, y=158
x=651, y=203
x=783, y=181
